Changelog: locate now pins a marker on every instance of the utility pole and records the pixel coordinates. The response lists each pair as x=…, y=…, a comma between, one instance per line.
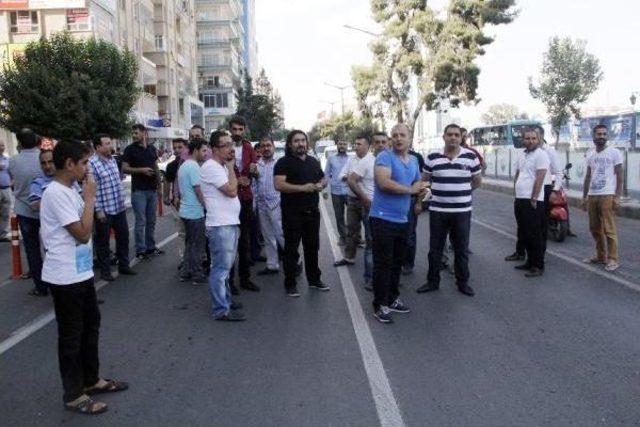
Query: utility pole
x=341, y=89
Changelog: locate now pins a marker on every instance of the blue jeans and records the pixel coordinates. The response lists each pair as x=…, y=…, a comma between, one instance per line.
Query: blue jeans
x=144, y=210
x=223, y=245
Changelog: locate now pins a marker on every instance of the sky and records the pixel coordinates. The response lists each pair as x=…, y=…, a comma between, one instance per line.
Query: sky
x=303, y=45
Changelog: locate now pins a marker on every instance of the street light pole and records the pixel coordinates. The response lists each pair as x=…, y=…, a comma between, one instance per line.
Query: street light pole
x=341, y=89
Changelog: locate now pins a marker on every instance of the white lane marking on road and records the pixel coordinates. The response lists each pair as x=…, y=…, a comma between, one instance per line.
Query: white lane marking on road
x=386, y=404
x=40, y=322
x=6, y=282
x=590, y=268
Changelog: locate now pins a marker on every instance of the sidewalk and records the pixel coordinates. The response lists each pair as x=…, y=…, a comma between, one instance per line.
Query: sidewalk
x=630, y=207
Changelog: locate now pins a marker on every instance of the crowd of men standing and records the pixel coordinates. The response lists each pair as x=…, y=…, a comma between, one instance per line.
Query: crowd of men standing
x=226, y=195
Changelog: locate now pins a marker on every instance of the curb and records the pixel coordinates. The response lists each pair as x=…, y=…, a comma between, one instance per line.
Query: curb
x=629, y=210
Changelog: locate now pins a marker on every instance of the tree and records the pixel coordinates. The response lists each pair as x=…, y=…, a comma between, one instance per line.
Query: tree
x=428, y=52
x=260, y=107
x=502, y=113
x=569, y=74
x=69, y=88
x=343, y=127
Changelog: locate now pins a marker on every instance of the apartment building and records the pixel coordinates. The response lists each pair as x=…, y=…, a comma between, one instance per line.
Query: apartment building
x=160, y=33
x=221, y=43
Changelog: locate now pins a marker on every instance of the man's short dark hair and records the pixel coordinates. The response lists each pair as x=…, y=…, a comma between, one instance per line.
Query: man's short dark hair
x=452, y=126
x=363, y=136
x=27, y=138
x=97, y=139
x=179, y=140
x=600, y=126
x=45, y=152
x=139, y=126
x=380, y=133
x=238, y=120
x=463, y=130
x=194, y=145
x=215, y=137
x=197, y=126
x=68, y=149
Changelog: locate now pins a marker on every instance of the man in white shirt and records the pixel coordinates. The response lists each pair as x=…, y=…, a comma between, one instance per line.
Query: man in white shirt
x=361, y=181
x=601, y=196
x=354, y=204
x=219, y=187
x=268, y=202
x=532, y=167
x=66, y=229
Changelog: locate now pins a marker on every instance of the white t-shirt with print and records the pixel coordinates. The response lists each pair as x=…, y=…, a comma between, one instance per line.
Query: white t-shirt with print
x=603, y=176
x=528, y=164
x=221, y=209
x=66, y=261
x=365, y=170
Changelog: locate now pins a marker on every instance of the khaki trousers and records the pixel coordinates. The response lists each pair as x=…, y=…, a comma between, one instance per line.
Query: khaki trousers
x=602, y=224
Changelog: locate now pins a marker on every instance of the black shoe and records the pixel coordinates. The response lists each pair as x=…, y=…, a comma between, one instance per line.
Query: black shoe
x=232, y=316
x=293, y=293
x=185, y=278
x=523, y=267
x=571, y=234
x=127, y=271
x=142, y=256
x=368, y=287
x=427, y=287
x=383, y=314
x=250, y=286
x=514, y=257
x=267, y=271
x=320, y=286
x=36, y=293
x=466, y=289
x=236, y=306
x=343, y=262
x=107, y=277
x=154, y=252
x=234, y=289
x=259, y=259
x=399, y=307
x=534, y=272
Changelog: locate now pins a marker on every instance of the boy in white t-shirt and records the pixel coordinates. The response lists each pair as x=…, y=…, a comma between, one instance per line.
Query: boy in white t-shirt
x=66, y=228
x=601, y=195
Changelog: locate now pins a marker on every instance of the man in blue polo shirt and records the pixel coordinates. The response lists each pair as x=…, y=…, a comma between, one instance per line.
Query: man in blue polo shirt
x=397, y=178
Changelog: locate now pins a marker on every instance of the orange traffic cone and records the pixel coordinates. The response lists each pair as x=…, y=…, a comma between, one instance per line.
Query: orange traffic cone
x=15, y=249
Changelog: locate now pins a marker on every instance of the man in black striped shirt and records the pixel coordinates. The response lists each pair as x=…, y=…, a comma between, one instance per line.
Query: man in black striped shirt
x=454, y=174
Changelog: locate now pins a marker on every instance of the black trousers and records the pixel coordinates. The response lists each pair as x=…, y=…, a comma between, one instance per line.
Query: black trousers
x=78, y=318
x=530, y=227
x=301, y=225
x=30, y=231
x=388, y=241
x=457, y=226
x=244, y=243
x=101, y=236
x=339, y=208
x=410, y=251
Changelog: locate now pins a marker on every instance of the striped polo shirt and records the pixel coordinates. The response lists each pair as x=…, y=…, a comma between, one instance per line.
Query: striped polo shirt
x=451, y=180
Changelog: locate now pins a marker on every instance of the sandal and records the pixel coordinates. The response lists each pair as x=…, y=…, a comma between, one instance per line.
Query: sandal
x=612, y=266
x=87, y=406
x=111, y=386
x=593, y=260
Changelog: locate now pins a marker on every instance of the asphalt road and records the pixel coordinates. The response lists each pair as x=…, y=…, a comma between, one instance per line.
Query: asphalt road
x=560, y=350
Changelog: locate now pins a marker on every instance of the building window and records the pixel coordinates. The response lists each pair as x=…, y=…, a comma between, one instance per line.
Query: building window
x=215, y=100
x=216, y=81
x=77, y=19
x=24, y=21
x=159, y=42
x=181, y=106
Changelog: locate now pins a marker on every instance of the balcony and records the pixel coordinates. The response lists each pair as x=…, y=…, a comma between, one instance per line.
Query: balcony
x=149, y=72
